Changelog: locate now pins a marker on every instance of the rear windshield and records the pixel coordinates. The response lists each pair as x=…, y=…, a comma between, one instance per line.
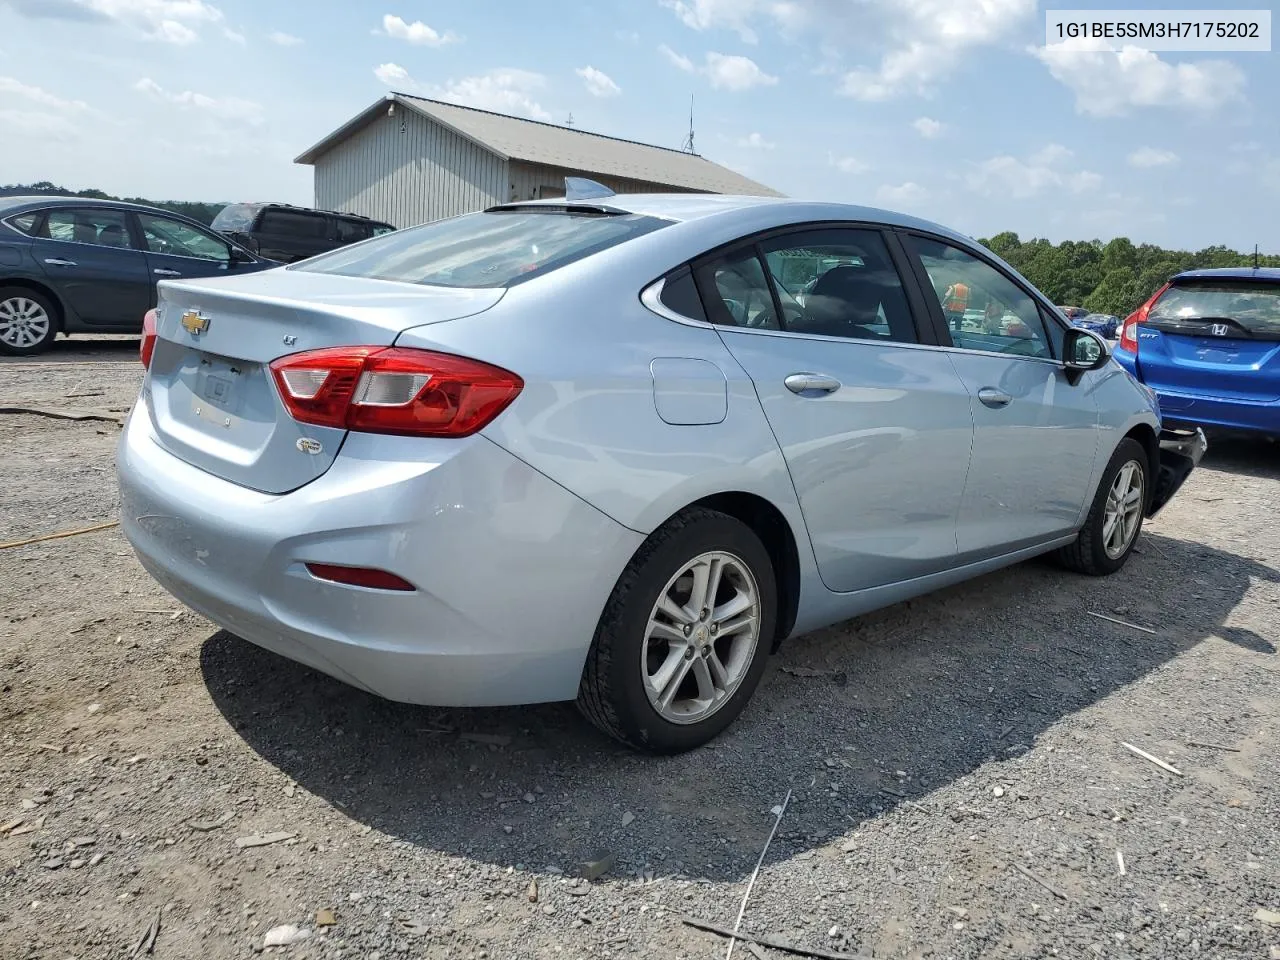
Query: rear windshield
x=235, y=217
x=492, y=249
x=1249, y=307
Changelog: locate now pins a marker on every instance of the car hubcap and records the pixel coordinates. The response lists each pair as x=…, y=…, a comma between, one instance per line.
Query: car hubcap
x=701, y=637
x=1123, y=511
x=23, y=322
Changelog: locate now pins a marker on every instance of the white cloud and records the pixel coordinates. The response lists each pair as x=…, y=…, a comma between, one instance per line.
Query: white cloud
x=170, y=21
x=928, y=128
x=234, y=37
x=416, y=32
x=848, y=164
x=755, y=141
x=13, y=89
x=1046, y=169
x=223, y=108
x=598, y=83
x=1109, y=82
x=282, y=39
x=733, y=15
x=1145, y=157
x=903, y=195
x=676, y=60
x=732, y=72
x=929, y=38
x=505, y=90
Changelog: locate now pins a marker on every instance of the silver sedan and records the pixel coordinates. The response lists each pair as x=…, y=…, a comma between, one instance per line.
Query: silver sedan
x=617, y=449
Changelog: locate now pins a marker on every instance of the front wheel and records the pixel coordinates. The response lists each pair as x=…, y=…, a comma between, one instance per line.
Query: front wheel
x=684, y=637
x=28, y=322
x=1115, y=519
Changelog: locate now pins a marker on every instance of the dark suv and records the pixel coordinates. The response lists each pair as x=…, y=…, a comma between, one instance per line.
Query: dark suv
x=287, y=233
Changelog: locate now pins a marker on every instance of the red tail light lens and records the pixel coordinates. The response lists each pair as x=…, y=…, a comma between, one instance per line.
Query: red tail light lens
x=148, y=345
x=394, y=390
x=369, y=577
x=1129, y=330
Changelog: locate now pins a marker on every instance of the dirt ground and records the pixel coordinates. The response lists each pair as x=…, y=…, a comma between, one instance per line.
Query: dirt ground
x=959, y=782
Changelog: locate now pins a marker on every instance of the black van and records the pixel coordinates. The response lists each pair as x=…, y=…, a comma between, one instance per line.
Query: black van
x=287, y=233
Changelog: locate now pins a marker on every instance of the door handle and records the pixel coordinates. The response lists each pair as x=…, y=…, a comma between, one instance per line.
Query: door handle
x=59, y=262
x=993, y=397
x=803, y=383
x=162, y=272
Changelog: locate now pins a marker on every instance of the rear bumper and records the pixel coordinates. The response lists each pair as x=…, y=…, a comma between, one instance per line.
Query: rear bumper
x=1188, y=410
x=1180, y=452
x=512, y=571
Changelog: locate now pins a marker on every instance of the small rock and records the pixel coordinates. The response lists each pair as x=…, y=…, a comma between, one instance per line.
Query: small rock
x=96, y=859
x=1275, y=952
x=325, y=918
x=53, y=864
x=94, y=708
x=1268, y=916
x=530, y=798
x=285, y=935
x=997, y=791
x=834, y=932
x=533, y=891
x=595, y=869
x=627, y=818
x=77, y=863
x=263, y=840
x=508, y=828
x=549, y=910
x=29, y=804
x=960, y=912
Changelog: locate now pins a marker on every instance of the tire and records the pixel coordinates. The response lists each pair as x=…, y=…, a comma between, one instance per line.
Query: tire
x=28, y=322
x=1089, y=554
x=635, y=641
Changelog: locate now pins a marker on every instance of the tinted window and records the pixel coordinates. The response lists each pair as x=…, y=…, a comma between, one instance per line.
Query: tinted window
x=738, y=293
x=295, y=224
x=236, y=218
x=681, y=295
x=26, y=222
x=839, y=283
x=494, y=249
x=1246, y=306
x=985, y=310
x=352, y=231
x=105, y=228
x=180, y=240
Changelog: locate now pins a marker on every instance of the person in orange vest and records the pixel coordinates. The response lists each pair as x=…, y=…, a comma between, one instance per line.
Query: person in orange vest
x=955, y=302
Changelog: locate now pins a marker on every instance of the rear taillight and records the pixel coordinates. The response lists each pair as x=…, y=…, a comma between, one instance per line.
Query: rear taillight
x=1129, y=331
x=394, y=390
x=370, y=577
x=148, y=345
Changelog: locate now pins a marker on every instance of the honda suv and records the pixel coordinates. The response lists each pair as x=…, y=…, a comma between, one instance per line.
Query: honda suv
x=287, y=233
x=1208, y=343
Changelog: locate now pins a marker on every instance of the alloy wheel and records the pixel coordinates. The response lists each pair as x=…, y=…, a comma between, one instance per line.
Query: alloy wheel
x=1123, y=511
x=23, y=322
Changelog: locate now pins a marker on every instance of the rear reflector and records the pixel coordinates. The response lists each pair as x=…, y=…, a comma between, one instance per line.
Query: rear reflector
x=359, y=577
x=394, y=390
x=148, y=345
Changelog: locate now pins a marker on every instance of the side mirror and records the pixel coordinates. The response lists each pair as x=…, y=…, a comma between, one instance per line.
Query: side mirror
x=1084, y=350
x=240, y=256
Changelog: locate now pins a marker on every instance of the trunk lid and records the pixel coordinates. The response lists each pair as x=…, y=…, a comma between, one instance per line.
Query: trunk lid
x=1216, y=338
x=213, y=400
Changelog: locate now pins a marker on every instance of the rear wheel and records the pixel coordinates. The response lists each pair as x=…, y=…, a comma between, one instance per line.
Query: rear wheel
x=684, y=637
x=1115, y=518
x=28, y=321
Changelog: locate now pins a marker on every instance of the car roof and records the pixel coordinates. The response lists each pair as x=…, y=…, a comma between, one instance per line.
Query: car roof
x=12, y=205
x=1269, y=274
x=273, y=205
x=696, y=206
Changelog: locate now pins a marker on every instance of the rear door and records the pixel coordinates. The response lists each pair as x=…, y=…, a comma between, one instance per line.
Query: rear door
x=1214, y=337
x=93, y=260
x=875, y=427
x=176, y=249
x=289, y=235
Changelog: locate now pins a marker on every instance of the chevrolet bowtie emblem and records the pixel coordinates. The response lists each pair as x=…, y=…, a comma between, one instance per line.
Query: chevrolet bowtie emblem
x=194, y=322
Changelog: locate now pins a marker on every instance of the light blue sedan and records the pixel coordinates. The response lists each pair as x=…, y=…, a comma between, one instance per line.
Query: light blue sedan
x=617, y=449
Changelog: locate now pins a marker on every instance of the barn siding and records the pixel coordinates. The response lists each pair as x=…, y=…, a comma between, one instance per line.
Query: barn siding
x=406, y=169
x=526, y=178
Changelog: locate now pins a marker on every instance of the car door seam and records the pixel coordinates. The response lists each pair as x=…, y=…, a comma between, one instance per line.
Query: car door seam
x=973, y=439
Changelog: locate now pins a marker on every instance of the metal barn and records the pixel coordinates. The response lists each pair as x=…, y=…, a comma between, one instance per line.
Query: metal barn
x=408, y=160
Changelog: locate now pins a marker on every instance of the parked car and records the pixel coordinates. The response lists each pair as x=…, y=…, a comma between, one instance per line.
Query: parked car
x=1208, y=343
x=1103, y=324
x=1074, y=313
x=72, y=265
x=288, y=234
x=584, y=450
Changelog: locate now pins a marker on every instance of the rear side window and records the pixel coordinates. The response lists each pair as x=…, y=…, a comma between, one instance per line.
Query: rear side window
x=680, y=294
x=1247, y=308
x=352, y=231
x=235, y=218
x=491, y=249
x=25, y=222
x=295, y=224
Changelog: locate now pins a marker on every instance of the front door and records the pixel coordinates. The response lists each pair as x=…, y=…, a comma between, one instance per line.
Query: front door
x=1035, y=432
x=875, y=428
x=177, y=250
x=91, y=260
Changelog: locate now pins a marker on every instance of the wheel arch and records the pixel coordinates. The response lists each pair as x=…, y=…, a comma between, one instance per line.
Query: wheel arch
x=1145, y=434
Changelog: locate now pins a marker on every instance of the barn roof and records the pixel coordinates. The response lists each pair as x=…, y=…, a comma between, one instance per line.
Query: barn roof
x=514, y=138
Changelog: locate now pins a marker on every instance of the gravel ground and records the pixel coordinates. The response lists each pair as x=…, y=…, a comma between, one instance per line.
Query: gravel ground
x=959, y=788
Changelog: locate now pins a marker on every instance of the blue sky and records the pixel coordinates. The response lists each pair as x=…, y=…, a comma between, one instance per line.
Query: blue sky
x=952, y=109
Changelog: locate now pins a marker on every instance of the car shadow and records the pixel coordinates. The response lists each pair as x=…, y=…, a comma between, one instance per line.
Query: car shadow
x=856, y=719
x=1243, y=456
x=84, y=348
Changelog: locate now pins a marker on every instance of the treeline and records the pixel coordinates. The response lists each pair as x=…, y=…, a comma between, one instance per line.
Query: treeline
x=1114, y=277
x=204, y=212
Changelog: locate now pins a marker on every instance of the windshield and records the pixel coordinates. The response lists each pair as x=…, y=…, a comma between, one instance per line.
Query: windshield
x=1250, y=304
x=492, y=249
x=235, y=217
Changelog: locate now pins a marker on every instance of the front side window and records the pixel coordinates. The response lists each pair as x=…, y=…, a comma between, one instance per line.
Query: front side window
x=295, y=224
x=497, y=248
x=103, y=228
x=179, y=239
x=984, y=309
